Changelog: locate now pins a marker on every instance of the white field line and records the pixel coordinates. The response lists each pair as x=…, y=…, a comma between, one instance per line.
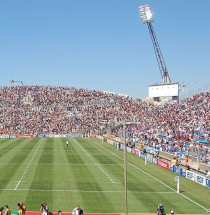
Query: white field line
x=112, y=181
x=46, y=150
x=86, y=191
x=151, y=176
x=68, y=164
x=27, y=166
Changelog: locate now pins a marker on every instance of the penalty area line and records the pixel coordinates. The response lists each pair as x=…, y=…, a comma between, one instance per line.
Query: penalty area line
x=106, y=174
x=28, y=166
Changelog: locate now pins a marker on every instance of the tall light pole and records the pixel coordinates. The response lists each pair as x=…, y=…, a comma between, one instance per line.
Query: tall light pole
x=12, y=82
x=125, y=162
x=125, y=170
x=147, y=17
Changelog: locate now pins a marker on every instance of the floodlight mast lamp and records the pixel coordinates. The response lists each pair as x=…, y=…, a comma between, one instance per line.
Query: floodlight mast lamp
x=147, y=17
x=12, y=82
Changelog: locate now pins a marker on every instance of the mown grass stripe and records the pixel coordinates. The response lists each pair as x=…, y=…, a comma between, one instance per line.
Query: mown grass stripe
x=87, y=178
x=11, y=170
x=67, y=164
x=73, y=174
x=32, y=173
x=28, y=166
x=5, y=143
x=8, y=146
x=92, y=191
x=42, y=178
x=90, y=156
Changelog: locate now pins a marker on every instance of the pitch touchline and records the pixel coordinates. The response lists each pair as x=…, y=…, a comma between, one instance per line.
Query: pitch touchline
x=86, y=191
x=95, y=162
x=27, y=167
x=69, y=164
x=47, y=150
x=151, y=176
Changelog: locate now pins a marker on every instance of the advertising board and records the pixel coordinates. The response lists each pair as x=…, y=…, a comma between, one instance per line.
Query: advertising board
x=162, y=164
x=110, y=141
x=136, y=152
x=196, y=177
x=178, y=170
x=151, y=150
x=142, y=155
x=208, y=183
x=12, y=136
x=151, y=159
x=24, y=136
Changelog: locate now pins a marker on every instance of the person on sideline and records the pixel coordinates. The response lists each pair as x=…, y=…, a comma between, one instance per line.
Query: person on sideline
x=172, y=212
x=59, y=212
x=77, y=211
x=44, y=208
x=23, y=208
x=7, y=210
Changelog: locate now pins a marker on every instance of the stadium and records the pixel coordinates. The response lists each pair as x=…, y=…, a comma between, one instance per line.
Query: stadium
x=72, y=150
x=37, y=166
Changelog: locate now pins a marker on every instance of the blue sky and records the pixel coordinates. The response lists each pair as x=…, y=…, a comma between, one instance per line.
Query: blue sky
x=103, y=44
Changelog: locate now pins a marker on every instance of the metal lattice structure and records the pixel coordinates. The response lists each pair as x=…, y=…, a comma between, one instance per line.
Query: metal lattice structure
x=146, y=16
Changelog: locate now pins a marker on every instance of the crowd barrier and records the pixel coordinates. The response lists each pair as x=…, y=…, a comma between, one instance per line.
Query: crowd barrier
x=198, y=178
x=44, y=136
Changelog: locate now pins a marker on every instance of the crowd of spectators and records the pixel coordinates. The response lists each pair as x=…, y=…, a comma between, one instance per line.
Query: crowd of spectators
x=41, y=110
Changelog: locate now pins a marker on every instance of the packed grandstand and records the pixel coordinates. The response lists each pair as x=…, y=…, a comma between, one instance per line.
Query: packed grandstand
x=44, y=110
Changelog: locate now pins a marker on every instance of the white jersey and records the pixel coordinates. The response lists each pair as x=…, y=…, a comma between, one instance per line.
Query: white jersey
x=45, y=210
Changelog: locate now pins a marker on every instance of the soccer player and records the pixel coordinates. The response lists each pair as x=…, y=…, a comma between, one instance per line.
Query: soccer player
x=67, y=143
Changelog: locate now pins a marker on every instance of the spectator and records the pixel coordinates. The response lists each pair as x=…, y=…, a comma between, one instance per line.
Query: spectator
x=1, y=210
x=208, y=175
x=172, y=212
x=44, y=208
x=59, y=212
x=45, y=110
x=7, y=210
x=23, y=208
x=77, y=211
x=20, y=209
x=186, y=160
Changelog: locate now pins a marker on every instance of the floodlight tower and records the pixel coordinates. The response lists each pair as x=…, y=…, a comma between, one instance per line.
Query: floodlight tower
x=147, y=17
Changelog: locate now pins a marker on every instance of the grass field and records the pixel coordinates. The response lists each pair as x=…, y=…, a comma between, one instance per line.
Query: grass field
x=89, y=173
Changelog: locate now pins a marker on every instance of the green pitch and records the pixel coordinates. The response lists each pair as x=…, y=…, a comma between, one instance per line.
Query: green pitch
x=89, y=173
